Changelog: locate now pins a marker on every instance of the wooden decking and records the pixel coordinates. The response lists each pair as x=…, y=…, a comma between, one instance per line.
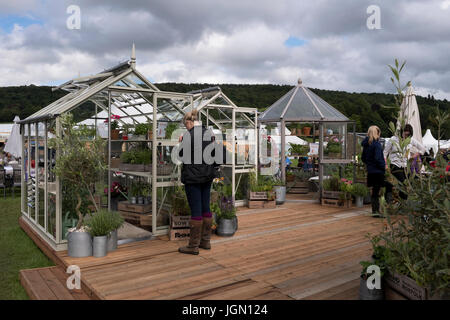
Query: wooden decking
x=299, y=250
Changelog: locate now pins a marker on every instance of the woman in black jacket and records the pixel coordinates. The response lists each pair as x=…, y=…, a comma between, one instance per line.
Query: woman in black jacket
x=197, y=176
x=372, y=156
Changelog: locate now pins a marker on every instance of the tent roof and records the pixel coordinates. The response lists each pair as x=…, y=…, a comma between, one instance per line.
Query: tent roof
x=301, y=104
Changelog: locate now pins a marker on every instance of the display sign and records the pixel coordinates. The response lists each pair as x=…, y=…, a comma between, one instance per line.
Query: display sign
x=313, y=149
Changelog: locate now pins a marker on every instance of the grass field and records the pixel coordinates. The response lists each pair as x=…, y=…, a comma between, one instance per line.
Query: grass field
x=17, y=251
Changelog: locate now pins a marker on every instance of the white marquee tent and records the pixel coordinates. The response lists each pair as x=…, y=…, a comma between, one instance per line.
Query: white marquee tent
x=429, y=141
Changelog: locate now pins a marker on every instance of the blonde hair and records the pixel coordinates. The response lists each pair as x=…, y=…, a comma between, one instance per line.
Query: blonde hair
x=191, y=115
x=373, y=133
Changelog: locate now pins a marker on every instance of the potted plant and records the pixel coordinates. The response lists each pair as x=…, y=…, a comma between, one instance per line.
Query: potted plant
x=379, y=261
x=133, y=193
x=127, y=132
x=115, y=130
x=333, y=148
x=359, y=191
x=80, y=165
x=136, y=160
x=227, y=220
x=290, y=176
x=280, y=191
x=116, y=221
x=298, y=149
x=171, y=127
x=306, y=129
x=140, y=131
x=117, y=192
x=146, y=191
x=100, y=226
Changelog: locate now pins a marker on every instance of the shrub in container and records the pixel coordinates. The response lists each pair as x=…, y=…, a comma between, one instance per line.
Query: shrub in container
x=227, y=220
x=280, y=191
x=359, y=191
x=116, y=221
x=100, y=225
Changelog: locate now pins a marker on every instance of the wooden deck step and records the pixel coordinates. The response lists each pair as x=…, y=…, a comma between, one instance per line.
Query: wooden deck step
x=48, y=284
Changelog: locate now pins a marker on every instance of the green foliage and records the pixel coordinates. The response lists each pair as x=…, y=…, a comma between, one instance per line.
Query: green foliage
x=140, y=156
x=299, y=149
x=302, y=175
x=260, y=184
x=332, y=184
x=114, y=125
x=333, y=147
x=171, y=127
x=101, y=223
x=379, y=257
x=359, y=190
x=418, y=245
x=180, y=204
x=79, y=163
x=142, y=129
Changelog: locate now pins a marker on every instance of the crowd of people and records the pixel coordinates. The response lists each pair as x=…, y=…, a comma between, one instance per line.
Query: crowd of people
x=375, y=157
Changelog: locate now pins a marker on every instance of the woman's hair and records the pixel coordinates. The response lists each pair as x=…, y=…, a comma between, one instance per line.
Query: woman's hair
x=373, y=133
x=191, y=115
x=408, y=128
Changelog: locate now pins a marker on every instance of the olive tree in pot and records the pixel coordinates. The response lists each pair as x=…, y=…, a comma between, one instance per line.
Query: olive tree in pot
x=80, y=163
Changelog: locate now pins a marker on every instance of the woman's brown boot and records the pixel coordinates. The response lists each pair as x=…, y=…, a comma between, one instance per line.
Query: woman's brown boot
x=206, y=234
x=194, y=237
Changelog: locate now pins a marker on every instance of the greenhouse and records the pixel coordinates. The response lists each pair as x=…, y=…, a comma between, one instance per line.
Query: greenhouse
x=329, y=130
x=136, y=121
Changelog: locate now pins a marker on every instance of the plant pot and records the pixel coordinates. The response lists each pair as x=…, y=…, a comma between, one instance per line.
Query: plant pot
x=79, y=244
x=280, y=192
x=147, y=200
x=235, y=220
x=359, y=201
x=133, y=200
x=99, y=246
x=290, y=178
x=124, y=137
x=306, y=131
x=226, y=227
x=112, y=241
x=369, y=294
x=150, y=135
x=115, y=134
x=140, y=200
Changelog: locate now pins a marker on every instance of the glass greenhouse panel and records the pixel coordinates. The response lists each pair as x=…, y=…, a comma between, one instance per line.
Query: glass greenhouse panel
x=51, y=181
x=40, y=174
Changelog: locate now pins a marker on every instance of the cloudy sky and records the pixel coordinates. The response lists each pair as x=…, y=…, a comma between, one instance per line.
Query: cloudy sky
x=326, y=43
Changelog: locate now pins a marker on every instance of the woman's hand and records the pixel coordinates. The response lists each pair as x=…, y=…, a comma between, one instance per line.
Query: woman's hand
x=180, y=139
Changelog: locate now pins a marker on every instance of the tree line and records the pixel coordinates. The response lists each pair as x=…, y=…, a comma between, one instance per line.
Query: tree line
x=365, y=109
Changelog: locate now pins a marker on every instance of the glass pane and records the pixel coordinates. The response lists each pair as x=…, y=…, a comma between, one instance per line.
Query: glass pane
x=51, y=182
x=32, y=165
x=40, y=173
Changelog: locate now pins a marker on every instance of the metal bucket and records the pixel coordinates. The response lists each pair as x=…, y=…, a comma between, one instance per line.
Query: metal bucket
x=369, y=294
x=112, y=241
x=280, y=194
x=79, y=244
x=226, y=227
x=359, y=202
x=235, y=220
x=100, y=246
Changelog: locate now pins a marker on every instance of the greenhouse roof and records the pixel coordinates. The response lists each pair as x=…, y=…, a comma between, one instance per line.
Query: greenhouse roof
x=301, y=104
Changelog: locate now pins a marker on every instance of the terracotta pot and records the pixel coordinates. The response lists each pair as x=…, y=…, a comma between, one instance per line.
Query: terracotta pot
x=150, y=135
x=115, y=134
x=306, y=131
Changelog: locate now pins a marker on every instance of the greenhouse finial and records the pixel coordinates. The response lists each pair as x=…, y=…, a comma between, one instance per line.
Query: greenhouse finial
x=300, y=81
x=133, y=56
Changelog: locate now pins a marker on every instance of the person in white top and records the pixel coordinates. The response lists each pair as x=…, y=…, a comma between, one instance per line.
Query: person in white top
x=399, y=161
